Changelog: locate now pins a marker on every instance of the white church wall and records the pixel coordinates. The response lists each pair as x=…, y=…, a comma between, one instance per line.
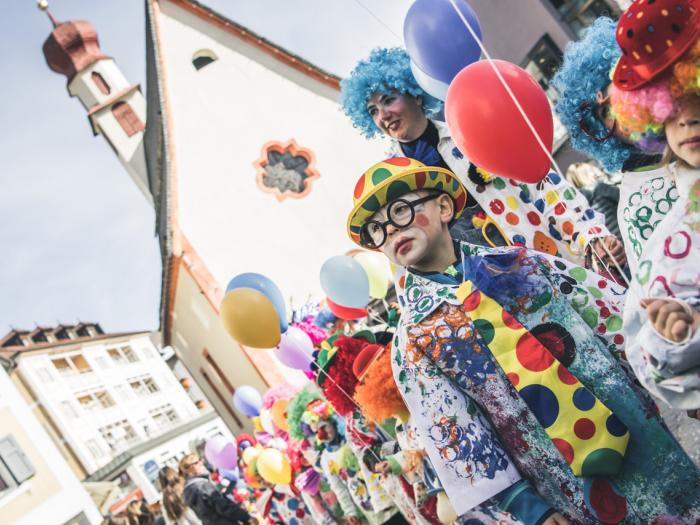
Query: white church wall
x=84, y=87
x=222, y=115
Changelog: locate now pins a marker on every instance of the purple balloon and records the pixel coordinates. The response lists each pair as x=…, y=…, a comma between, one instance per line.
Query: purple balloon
x=220, y=453
x=295, y=349
x=437, y=40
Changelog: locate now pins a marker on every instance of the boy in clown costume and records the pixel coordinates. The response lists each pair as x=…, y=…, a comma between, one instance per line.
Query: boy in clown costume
x=381, y=97
x=508, y=362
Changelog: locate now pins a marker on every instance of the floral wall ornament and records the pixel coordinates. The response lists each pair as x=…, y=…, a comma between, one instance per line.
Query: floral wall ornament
x=286, y=170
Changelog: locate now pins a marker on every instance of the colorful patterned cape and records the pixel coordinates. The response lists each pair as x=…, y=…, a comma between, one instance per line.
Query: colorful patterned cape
x=477, y=428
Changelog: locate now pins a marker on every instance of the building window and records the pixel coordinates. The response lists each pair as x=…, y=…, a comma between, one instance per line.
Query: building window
x=286, y=170
x=100, y=82
x=119, y=434
x=203, y=58
x=94, y=448
x=102, y=362
x=579, y=14
x=68, y=410
x=15, y=467
x=123, y=355
x=44, y=375
x=144, y=386
x=127, y=118
x=164, y=416
x=96, y=400
x=72, y=365
x=542, y=63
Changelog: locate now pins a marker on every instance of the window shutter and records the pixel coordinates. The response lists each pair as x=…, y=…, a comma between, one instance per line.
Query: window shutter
x=15, y=460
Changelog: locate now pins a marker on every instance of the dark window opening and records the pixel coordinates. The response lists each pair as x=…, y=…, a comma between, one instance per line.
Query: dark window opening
x=100, y=82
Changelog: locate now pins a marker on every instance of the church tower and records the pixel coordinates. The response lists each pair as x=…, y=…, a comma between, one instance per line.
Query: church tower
x=116, y=109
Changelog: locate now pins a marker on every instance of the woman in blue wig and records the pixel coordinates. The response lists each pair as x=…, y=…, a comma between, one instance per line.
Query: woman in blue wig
x=381, y=97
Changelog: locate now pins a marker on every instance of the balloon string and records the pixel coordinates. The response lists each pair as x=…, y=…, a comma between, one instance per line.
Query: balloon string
x=529, y=124
x=363, y=6
x=507, y=88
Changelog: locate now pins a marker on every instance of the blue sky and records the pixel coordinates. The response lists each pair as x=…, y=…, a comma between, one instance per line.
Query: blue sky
x=76, y=236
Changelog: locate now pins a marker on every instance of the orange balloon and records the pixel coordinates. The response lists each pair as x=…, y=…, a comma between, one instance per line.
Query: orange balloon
x=279, y=414
x=250, y=318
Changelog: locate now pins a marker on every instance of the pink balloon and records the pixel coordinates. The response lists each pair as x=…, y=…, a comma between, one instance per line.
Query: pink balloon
x=220, y=453
x=295, y=349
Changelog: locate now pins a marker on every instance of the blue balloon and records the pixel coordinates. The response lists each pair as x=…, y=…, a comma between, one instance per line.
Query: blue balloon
x=431, y=86
x=345, y=282
x=437, y=40
x=230, y=474
x=266, y=287
x=247, y=400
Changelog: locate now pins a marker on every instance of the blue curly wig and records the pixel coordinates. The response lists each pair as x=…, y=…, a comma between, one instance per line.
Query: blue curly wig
x=384, y=71
x=585, y=71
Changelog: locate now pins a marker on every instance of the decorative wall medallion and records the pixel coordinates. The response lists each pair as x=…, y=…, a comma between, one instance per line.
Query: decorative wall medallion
x=286, y=170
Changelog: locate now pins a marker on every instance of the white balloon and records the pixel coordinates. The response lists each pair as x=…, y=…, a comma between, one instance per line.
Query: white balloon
x=266, y=422
x=432, y=86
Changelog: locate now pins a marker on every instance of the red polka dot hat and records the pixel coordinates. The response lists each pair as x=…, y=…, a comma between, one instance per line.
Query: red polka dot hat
x=652, y=34
x=390, y=179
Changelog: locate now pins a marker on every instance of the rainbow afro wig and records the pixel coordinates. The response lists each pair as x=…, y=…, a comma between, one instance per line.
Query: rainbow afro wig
x=384, y=71
x=585, y=72
x=643, y=112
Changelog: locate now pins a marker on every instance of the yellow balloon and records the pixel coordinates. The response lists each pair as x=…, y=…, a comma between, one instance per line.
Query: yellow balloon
x=250, y=454
x=279, y=414
x=273, y=467
x=376, y=266
x=250, y=318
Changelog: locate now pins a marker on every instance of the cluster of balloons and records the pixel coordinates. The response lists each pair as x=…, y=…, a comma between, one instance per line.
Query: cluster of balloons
x=350, y=282
x=222, y=455
x=270, y=464
x=481, y=113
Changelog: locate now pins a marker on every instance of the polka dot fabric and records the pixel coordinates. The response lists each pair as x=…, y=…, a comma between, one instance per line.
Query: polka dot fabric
x=589, y=436
x=393, y=178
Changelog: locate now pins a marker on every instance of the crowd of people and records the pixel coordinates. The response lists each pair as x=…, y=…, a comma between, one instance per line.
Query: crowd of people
x=537, y=328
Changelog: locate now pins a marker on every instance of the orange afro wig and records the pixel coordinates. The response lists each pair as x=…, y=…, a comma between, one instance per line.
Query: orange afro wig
x=377, y=393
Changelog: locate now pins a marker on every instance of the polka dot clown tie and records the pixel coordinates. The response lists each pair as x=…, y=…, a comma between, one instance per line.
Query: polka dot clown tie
x=588, y=435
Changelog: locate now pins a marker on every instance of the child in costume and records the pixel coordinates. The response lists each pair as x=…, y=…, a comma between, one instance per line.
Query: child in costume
x=656, y=92
x=336, y=378
x=381, y=96
x=508, y=362
x=311, y=417
x=405, y=459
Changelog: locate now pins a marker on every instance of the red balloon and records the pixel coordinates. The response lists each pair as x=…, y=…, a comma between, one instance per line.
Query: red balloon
x=487, y=126
x=346, y=312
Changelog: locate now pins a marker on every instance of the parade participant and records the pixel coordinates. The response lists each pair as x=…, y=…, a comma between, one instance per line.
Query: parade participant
x=661, y=314
x=200, y=494
x=175, y=510
x=336, y=378
x=405, y=460
x=307, y=482
x=381, y=96
x=507, y=361
x=313, y=418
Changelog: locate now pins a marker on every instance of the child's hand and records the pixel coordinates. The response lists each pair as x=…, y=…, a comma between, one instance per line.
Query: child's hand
x=382, y=468
x=670, y=318
x=614, y=246
x=556, y=519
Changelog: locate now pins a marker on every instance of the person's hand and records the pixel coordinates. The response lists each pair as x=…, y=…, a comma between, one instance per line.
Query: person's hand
x=556, y=519
x=382, y=468
x=353, y=520
x=695, y=413
x=670, y=318
x=614, y=246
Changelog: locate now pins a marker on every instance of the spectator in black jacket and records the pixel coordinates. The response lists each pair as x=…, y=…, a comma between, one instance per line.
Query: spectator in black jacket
x=602, y=196
x=200, y=494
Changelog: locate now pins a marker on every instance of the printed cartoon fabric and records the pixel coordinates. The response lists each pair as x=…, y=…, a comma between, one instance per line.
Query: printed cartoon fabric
x=668, y=266
x=439, y=350
x=551, y=216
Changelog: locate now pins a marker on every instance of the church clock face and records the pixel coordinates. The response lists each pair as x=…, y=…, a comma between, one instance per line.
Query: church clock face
x=286, y=170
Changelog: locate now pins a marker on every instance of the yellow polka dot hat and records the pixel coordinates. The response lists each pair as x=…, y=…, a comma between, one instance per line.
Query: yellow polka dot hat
x=392, y=178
